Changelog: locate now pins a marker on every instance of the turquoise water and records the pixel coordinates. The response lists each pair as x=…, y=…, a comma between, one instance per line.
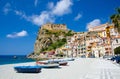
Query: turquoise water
x=12, y=59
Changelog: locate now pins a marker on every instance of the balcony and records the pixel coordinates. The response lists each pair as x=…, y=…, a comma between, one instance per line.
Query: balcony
x=94, y=40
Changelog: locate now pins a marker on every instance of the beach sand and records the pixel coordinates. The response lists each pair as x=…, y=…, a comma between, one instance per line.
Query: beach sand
x=81, y=68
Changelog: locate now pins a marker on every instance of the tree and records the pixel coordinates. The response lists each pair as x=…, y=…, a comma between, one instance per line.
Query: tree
x=115, y=18
x=69, y=33
x=117, y=50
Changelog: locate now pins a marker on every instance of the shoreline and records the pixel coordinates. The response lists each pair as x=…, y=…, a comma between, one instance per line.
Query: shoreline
x=81, y=68
x=16, y=63
x=22, y=63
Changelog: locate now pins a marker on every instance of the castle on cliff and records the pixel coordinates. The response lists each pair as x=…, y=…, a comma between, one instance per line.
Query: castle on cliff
x=50, y=26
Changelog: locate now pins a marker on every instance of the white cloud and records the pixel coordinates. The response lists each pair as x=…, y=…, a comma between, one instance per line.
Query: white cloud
x=95, y=22
x=22, y=14
x=43, y=18
x=18, y=12
x=17, y=34
x=35, y=3
x=62, y=7
x=7, y=8
x=50, y=5
x=78, y=17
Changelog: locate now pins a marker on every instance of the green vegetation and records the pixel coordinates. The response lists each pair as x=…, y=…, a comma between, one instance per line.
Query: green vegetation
x=117, y=50
x=69, y=33
x=58, y=33
x=54, y=32
x=60, y=42
x=116, y=19
x=56, y=44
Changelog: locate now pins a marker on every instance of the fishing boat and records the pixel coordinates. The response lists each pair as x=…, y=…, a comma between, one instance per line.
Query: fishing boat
x=45, y=64
x=49, y=65
x=63, y=63
x=28, y=69
x=69, y=59
x=41, y=62
x=54, y=61
x=58, y=61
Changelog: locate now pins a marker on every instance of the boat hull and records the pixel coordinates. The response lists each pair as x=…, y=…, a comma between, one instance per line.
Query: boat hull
x=28, y=69
x=49, y=65
x=62, y=63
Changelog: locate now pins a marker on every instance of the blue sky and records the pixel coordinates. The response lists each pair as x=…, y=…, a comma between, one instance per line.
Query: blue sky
x=20, y=19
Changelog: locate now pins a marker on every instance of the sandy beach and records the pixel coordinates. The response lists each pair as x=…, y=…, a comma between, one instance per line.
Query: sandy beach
x=81, y=68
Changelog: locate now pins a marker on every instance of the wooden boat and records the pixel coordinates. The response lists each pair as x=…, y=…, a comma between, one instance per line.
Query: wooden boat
x=54, y=61
x=63, y=63
x=28, y=69
x=69, y=59
x=49, y=65
x=41, y=62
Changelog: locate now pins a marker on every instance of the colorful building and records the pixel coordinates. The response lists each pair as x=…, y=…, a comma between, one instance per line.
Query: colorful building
x=105, y=41
x=98, y=41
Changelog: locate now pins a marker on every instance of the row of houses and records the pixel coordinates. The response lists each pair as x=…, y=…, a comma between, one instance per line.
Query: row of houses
x=97, y=41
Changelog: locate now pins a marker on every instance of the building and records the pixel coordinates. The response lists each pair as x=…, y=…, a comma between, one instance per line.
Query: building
x=50, y=26
x=75, y=45
x=93, y=45
x=105, y=41
x=98, y=41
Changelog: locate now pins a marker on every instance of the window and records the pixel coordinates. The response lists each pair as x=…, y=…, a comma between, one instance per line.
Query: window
x=116, y=40
x=103, y=40
x=104, y=33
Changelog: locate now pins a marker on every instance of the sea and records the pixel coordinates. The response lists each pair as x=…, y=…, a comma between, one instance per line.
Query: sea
x=12, y=59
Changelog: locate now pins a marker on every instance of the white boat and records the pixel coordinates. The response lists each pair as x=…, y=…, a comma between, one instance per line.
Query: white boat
x=49, y=65
x=63, y=63
x=69, y=59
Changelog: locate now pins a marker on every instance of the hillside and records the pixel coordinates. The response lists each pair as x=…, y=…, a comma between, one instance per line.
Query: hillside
x=50, y=37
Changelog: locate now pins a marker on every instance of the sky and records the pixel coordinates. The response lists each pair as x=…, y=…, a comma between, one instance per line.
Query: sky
x=20, y=20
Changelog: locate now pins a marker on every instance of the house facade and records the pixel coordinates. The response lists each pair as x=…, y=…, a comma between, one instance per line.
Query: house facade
x=106, y=40
x=98, y=41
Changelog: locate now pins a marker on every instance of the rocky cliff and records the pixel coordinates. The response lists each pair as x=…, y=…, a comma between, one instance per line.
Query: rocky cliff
x=50, y=36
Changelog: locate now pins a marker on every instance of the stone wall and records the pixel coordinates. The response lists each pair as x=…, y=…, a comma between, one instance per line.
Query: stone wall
x=50, y=26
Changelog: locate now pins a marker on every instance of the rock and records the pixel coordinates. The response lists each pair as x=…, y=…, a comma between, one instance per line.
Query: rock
x=48, y=34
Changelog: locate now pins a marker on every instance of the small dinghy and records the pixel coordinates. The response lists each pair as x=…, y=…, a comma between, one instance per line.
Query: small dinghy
x=54, y=61
x=69, y=59
x=49, y=65
x=28, y=69
x=62, y=63
x=41, y=62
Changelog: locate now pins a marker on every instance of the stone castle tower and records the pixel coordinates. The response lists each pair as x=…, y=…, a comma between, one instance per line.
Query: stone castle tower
x=50, y=26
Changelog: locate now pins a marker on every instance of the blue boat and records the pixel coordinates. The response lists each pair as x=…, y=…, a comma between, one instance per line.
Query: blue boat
x=116, y=58
x=28, y=69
